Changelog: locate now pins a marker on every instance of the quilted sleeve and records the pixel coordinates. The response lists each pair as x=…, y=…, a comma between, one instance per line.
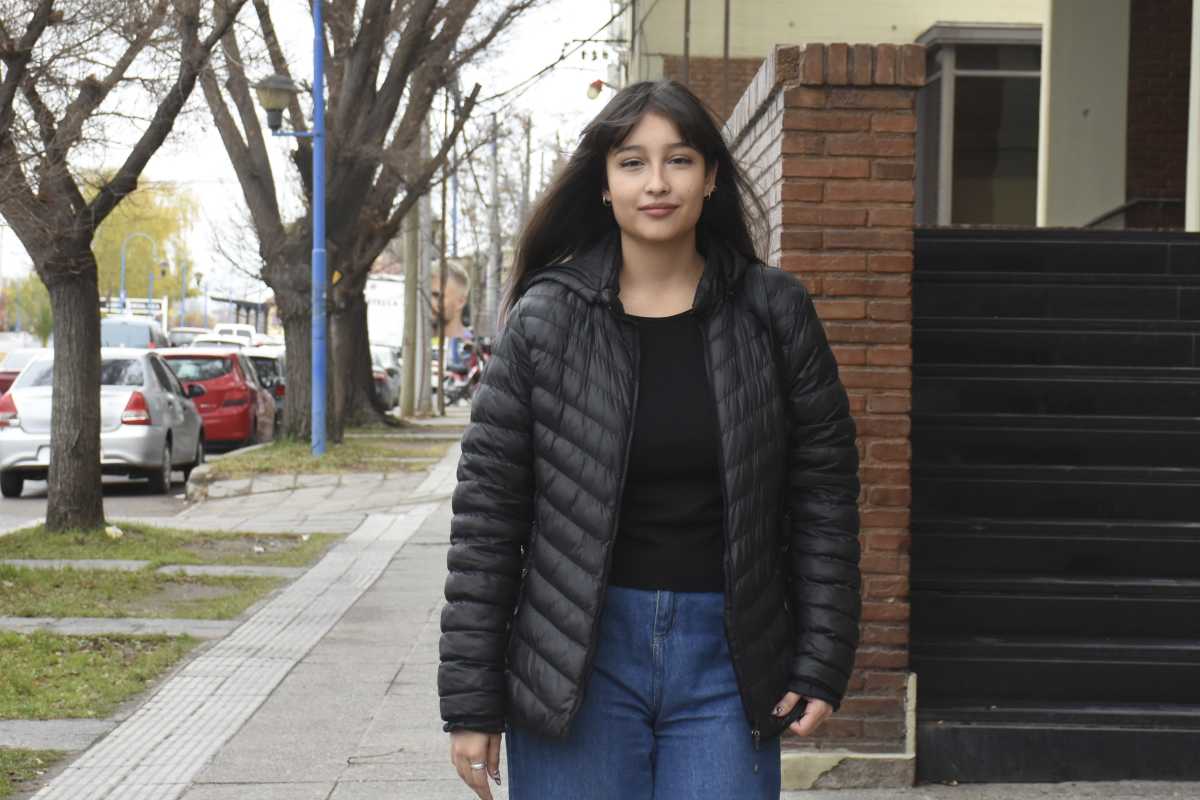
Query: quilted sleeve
x=823, y=489
x=492, y=511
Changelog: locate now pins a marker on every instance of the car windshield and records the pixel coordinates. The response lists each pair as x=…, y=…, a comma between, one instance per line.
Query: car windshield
x=240, y=333
x=200, y=368
x=227, y=341
x=17, y=359
x=124, y=333
x=181, y=338
x=113, y=372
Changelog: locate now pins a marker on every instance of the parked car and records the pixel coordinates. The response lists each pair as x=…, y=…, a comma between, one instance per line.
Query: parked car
x=130, y=331
x=182, y=337
x=271, y=365
x=14, y=362
x=213, y=340
x=266, y=340
x=238, y=329
x=236, y=409
x=149, y=425
x=386, y=373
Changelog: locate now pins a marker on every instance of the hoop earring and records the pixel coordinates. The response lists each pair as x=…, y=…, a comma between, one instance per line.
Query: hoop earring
x=606, y=201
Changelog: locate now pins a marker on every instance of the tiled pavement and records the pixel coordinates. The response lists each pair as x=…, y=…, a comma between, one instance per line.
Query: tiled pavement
x=328, y=693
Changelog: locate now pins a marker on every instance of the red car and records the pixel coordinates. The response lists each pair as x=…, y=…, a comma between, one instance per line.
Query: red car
x=236, y=409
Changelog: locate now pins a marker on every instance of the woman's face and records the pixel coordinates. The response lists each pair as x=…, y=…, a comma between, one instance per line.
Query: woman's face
x=657, y=184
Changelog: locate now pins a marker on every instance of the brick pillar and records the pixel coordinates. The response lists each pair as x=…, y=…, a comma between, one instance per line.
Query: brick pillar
x=827, y=133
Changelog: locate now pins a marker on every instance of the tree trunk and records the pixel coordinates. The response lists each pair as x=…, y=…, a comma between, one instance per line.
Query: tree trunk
x=354, y=399
x=295, y=311
x=75, y=500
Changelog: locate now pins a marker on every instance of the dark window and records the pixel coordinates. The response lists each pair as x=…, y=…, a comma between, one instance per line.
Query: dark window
x=125, y=333
x=266, y=368
x=200, y=368
x=122, y=372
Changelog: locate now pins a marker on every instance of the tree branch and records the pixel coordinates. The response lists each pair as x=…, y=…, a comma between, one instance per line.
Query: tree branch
x=194, y=55
x=382, y=234
x=16, y=61
x=93, y=91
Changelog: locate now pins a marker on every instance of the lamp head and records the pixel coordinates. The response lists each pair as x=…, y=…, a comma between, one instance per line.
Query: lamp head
x=274, y=93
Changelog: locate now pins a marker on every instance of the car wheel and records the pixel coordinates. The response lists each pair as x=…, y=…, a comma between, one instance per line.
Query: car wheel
x=187, y=470
x=160, y=479
x=11, y=484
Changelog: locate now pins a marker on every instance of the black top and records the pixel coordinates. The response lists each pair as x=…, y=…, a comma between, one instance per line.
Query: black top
x=669, y=535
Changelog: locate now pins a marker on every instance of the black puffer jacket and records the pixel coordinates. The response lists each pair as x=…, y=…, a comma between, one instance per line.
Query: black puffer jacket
x=542, y=472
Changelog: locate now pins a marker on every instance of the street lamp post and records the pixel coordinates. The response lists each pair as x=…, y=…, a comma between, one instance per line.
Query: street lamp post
x=157, y=262
x=274, y=93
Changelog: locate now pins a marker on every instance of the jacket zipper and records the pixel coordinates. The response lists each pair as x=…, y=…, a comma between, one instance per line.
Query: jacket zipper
x=755, y=734
x=587, y=662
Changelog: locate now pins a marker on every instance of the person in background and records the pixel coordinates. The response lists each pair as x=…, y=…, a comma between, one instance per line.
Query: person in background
x=458, y=288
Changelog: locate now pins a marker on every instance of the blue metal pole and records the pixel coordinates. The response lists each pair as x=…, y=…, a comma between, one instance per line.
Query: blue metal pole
x=318, y=250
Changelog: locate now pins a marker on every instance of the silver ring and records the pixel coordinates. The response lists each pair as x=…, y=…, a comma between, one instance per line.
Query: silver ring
x=479, y=766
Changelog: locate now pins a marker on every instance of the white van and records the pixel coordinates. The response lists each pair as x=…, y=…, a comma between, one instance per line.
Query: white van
x=238, y=329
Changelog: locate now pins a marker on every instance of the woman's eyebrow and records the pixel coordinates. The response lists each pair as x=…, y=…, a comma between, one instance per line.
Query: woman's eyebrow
x=672, y=145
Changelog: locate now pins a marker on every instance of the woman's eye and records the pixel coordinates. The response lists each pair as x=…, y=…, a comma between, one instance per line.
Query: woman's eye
x=636, y=162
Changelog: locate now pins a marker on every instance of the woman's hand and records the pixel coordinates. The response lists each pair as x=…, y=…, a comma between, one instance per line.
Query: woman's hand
x=815, y=712
x=470, y=747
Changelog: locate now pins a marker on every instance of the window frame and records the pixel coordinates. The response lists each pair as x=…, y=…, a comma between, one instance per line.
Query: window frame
x=936, y=206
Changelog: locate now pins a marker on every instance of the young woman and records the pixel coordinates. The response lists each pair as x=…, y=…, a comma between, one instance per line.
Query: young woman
x=654, y=544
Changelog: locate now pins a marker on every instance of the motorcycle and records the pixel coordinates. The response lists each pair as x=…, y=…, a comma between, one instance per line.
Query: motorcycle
x=462, y=380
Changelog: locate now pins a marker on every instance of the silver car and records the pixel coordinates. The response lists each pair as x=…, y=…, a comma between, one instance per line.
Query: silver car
x=148, y=423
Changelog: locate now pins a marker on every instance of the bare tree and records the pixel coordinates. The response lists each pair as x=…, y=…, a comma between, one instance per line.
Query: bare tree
x=386, y=61
x=75, y=74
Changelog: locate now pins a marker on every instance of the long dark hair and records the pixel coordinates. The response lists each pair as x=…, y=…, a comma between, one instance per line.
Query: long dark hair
x=569, y=217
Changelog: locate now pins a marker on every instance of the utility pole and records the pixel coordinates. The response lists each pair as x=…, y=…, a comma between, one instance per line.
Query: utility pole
x=440, y=311
x=424, y=310
x=523, y=216
x=408, y=386
x=493, y=273
x=687, y=39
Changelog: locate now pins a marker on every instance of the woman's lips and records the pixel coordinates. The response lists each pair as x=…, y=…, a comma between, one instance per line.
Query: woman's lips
x=658, y=211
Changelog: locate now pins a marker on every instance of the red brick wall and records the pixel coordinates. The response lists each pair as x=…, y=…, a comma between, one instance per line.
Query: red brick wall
x=827, y=134
x=1159, y=54
x=706, y=79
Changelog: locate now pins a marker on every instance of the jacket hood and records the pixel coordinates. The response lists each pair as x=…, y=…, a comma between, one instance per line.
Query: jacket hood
x=593, y=273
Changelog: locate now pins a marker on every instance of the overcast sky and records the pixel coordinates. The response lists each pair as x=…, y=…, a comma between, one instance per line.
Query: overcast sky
x=558, y=102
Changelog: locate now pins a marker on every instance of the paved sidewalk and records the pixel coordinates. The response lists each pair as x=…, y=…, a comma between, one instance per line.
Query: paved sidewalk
x=328, y=692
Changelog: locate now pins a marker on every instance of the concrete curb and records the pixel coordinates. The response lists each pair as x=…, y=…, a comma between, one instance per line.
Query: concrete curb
x=201, y=478
x=202, y=486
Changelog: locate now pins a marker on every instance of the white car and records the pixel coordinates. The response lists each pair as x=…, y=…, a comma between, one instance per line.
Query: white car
x=238, y=330
x=149, y=425
x=217, y=340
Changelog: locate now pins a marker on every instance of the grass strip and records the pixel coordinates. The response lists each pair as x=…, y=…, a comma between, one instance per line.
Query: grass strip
x=50, y=676
x=287, y=456
x=21, y=766
x=26, y=592
x=162, y=546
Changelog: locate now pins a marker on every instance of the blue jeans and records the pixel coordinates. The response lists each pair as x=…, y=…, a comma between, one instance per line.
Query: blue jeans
x=661, y=717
